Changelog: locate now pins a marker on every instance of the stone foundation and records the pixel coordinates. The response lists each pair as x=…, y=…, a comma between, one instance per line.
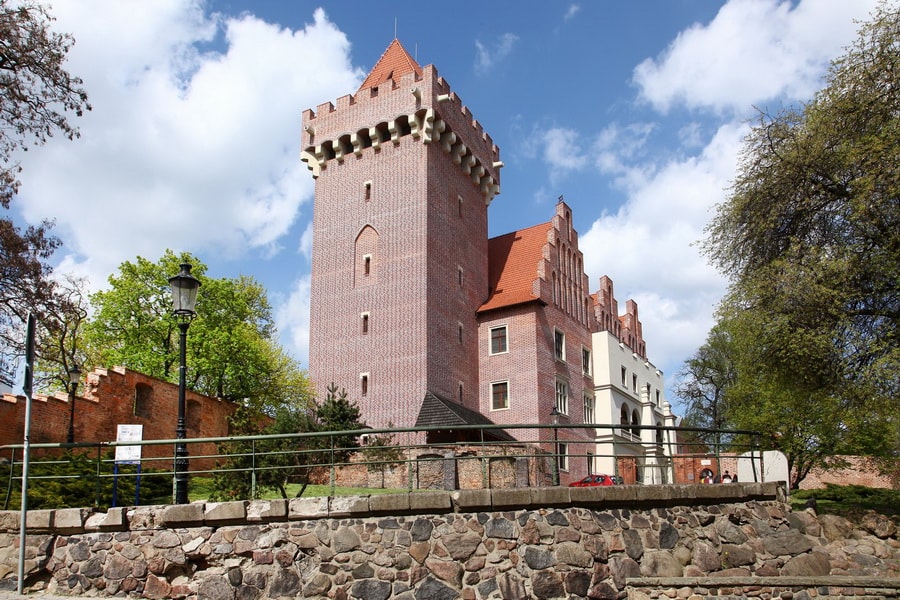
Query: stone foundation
x=638, y=542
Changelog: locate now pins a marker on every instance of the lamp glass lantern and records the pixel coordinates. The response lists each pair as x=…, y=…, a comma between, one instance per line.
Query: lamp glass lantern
x=184, y=292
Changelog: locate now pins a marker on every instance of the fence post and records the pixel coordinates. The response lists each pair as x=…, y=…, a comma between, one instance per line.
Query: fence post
x=332, y=475
x=253, y=469
x=99, y=458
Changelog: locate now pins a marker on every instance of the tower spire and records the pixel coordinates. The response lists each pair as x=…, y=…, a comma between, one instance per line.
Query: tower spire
x=394, y=63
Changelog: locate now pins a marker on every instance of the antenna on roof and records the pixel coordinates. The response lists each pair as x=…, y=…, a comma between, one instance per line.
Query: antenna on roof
x=417, y=52
x=395, y=28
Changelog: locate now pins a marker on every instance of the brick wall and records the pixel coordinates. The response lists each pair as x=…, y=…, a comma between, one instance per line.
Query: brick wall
x=110, y=397
x=421, y=221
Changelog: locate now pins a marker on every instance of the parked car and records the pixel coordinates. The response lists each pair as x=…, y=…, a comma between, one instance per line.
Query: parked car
x=594, y=480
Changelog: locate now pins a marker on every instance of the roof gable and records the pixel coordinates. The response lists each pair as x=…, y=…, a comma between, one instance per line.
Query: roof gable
x=394, y=63
x=514, y=260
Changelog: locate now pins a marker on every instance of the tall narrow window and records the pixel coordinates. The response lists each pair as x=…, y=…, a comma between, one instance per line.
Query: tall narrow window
x=588, y=409
x=364, y=384
x=657, y=397
x=460, y=393
x=365, y=323
x=459, y=205
x=562, y=455
x=459, y=277
x=368, y=186
x=634, y=382
x=562, y=397
x=367, y=265
x=624, y=375
x=500, y=395
x=559, y=344
x=459, y=329
x=585, y=361
x=498, y=340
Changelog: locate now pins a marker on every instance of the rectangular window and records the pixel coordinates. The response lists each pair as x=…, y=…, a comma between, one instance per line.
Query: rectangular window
x=634, y=382
x=459, y=331
x=500, y=395
x=367, y=264
x=368, y=185
x=657, y=397
x=459, y=276
x=588, y=409
x=364, y=384
x=365, y=323
x=562, y=455
x=562, y=397
x=624, y=375
x=498, y=340
x=586, y=361
x=559, y=344
x=459, y=205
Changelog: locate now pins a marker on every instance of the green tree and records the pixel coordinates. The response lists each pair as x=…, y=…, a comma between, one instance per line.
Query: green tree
x=232, y=350
x=275, y=462
x=702, y=385
x=810, y=238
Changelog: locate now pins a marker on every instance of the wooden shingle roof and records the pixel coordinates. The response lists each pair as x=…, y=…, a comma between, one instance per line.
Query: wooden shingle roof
x=440, y=412
x=394, y=63
x=513, y=266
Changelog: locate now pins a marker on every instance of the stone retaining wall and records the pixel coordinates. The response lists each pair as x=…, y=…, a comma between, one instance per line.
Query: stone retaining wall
x=468, y=544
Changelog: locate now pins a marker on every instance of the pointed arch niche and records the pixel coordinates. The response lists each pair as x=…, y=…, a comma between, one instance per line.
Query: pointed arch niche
x=365, y=257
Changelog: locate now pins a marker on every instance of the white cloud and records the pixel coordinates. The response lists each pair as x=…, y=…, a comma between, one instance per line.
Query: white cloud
x=192, y=141
x=292, y=319
x=488, y=56
x=648, y=249
x=571, y=11
x=562, y=152
x=754, y=51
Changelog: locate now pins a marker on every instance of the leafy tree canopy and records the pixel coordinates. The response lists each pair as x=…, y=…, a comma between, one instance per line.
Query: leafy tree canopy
x=232, y=350
x=810, y=238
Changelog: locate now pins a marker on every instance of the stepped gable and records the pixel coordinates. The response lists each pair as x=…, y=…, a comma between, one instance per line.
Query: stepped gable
x=514, y=259
x=394, y=63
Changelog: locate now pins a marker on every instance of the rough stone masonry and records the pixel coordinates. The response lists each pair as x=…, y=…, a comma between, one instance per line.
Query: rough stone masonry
x=680, y=542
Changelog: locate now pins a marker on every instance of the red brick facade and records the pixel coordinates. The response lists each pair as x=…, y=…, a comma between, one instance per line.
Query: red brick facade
x=111, y=397
x=406, y=288
x=399, y=263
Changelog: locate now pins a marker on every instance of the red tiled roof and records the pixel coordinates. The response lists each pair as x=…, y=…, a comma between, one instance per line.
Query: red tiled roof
x=513, y=266
x=395, y=62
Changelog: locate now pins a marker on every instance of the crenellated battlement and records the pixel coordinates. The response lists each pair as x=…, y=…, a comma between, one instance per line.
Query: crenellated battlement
x=421, y=106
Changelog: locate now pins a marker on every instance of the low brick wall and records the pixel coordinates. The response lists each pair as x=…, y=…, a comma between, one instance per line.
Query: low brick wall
x=468, y=544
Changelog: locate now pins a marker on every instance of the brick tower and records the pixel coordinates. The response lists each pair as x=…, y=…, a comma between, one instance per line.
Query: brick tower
x=403, y=179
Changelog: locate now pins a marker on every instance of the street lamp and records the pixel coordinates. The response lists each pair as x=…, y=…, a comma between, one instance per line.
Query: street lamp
x=554, y=418
x=74, y=377
x=184, y=299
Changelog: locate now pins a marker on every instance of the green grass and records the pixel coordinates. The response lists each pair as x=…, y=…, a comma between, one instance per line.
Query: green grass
x=849, y=500
x=200, y=488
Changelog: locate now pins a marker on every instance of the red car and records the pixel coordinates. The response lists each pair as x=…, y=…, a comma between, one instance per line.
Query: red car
x=594, y=480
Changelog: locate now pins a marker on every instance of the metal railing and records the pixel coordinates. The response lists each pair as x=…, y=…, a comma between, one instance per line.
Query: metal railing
x=390, y=458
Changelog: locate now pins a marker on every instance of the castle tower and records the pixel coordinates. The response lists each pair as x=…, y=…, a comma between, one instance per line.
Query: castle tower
x=403, y=180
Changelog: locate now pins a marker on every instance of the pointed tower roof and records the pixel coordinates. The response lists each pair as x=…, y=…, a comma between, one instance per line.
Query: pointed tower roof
x=395, y=62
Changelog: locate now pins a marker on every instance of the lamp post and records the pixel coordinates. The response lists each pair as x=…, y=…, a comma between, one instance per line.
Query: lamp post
x=74, y=377
x=184, y=299
x=554, y=418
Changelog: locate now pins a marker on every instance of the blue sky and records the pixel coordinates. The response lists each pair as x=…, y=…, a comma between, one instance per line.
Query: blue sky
x=633, y=111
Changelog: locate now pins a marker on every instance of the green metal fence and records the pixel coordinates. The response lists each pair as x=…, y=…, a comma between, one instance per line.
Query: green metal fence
x=395, y=458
